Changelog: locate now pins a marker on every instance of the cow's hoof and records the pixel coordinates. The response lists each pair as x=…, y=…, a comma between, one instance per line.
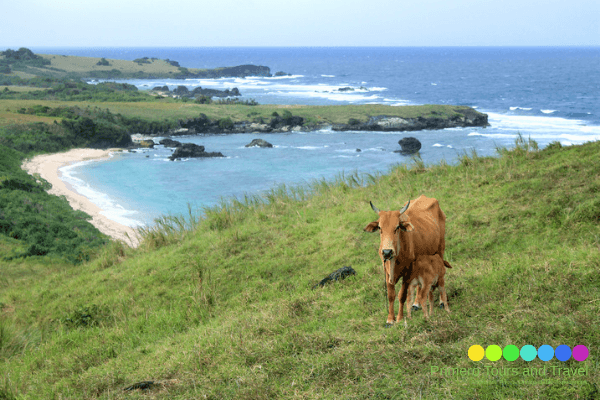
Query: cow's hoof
x=389, y=324
x=416, y=308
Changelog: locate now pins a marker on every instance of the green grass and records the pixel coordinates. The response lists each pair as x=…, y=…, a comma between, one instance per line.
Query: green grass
x=221, y=307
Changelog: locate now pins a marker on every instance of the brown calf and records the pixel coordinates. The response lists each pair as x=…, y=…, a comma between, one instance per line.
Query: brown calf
x=428, y=273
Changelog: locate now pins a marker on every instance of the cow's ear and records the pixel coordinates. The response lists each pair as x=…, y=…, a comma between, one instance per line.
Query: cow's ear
x=406, y=226
x=372, y=227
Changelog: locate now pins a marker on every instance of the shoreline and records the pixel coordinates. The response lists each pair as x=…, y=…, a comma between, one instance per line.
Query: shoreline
x=48, y=165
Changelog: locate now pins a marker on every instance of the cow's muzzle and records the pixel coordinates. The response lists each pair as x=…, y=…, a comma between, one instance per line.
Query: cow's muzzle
x=388, y=254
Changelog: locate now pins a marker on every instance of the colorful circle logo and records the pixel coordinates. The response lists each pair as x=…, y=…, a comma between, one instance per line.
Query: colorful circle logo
x=528, y=352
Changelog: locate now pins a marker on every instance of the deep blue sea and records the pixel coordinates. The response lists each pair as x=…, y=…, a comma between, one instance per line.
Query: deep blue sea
x=547, y=94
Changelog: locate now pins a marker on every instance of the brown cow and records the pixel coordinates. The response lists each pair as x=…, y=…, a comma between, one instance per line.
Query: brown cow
x=405, y=235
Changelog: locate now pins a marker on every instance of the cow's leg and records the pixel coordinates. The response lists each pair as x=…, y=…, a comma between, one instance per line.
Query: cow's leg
x=443, y=296
x=415, y=293
x=402, y=299
x=423, y=294
x=431, y=301
x=391, y=294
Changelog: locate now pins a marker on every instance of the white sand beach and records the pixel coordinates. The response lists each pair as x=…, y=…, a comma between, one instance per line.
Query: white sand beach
x=48, y=165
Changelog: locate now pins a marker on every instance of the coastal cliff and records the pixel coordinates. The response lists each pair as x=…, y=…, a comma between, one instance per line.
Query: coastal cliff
x=451, y=117
x=464, y=117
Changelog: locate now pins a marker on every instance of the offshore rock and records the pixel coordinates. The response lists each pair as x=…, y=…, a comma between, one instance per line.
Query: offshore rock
x=410, y=145
x=259, y=143
x=191, y=150
x=170, y=143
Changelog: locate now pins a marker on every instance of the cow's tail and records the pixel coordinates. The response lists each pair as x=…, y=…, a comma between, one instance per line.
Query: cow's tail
x=447, y=264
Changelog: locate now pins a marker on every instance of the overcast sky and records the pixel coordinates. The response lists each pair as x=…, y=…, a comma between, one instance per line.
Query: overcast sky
x=91, y=23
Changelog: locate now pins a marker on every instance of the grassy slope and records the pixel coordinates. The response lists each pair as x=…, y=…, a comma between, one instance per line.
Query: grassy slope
x=85, y=67
x=170, y=109
x=226, y=310
x=84, y=64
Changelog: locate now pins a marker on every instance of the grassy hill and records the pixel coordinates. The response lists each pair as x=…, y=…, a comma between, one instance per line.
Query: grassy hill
x=222, y=307
x=25, y=64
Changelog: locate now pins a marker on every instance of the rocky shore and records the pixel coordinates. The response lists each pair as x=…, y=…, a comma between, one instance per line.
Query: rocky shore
x=182, y=91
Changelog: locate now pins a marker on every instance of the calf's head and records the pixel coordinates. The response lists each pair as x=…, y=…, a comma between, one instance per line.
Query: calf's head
x=391, y=225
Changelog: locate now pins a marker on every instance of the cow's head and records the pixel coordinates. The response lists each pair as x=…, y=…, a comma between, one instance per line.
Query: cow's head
x=391, y=225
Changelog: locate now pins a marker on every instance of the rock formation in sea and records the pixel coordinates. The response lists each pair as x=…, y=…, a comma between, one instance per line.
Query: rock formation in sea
x=170, y=142
x=191, y=150
x=259, y=143
x=409, y=145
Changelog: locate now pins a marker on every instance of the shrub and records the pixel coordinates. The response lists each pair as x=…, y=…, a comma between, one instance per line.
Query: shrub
x=225, y=123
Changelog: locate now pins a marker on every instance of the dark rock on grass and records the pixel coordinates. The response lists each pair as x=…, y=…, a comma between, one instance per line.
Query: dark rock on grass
x=144, y=385
x=409, y=145
x=340, y=274
x=259, y=143
x=191, y=150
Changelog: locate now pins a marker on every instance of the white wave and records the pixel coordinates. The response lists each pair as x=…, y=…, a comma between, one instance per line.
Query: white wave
x=544, y=127
x=309, y=147
x=335, y=96
x=109, y=206
x=377, y=89
x=494, y=135
x=285, y=77
x=548, y=111
x=433, y=84
x=328, y=76
x=358, y=155
x=519, y=108
x=438, y=145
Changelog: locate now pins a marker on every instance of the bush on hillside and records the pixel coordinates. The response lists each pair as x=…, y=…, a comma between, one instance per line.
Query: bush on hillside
x=46, y=224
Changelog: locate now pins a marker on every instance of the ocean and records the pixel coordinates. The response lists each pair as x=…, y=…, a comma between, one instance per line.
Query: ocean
x=543, y=93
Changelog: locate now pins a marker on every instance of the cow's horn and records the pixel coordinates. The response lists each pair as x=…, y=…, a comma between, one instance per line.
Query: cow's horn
x=374, y=208
x=405, y=207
